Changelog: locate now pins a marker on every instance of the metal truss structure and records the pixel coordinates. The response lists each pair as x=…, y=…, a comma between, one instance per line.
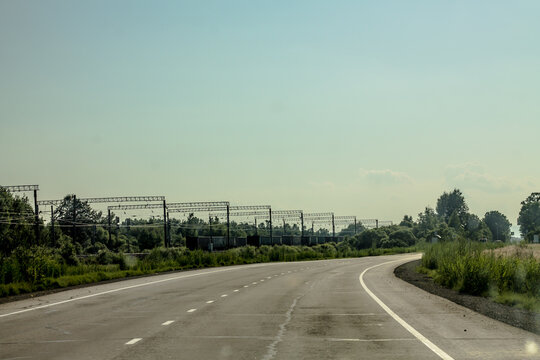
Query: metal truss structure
x=19, y=188
x=34, y=189
x=112, y=199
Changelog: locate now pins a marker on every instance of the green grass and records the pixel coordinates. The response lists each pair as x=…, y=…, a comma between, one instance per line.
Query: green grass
x=471, y=268
x=55, y=274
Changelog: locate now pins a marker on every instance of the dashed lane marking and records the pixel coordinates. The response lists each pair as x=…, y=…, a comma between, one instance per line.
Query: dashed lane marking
x=167, y=322
x=133, y=341
x=210, y=301
x=191, y=310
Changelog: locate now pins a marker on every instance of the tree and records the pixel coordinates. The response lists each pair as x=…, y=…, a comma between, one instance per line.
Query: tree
x=451, y=202
x=427, y=222
x=498, y=224
x=529, y=215
x=476, y=229
x=16, y=225
x=455, y=222
x=407, y=221
x=73, y=211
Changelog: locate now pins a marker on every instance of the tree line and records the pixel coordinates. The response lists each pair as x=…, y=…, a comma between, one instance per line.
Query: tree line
x=89, y=233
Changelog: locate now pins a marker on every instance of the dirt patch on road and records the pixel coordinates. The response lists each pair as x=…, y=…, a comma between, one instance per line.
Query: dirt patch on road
x=513, y=316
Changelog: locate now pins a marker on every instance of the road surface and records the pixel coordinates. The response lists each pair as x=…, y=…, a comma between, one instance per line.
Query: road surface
x=331, y=309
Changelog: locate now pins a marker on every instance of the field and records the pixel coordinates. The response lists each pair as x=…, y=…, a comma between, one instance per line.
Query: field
x=520, y=251
x=510, y=275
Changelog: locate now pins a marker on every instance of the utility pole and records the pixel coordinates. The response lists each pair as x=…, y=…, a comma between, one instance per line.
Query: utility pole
x=210, y=225
x=270, y=216
x=52, y=227
x=283, y=226
x=256, y=230
x=168, y=229
x=333, y=228
x=313, y=228
x=36, y=208
x=165, y=223
x=109, y=220
x=228, y=226
x=302, y=224
x=355, y=225
x=73, y=229
x=376, y=223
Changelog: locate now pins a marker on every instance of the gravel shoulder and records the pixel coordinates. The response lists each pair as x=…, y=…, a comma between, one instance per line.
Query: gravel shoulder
x=513, y=316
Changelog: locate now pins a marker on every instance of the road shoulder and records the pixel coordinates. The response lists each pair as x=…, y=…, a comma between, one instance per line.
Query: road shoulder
x=513, y=316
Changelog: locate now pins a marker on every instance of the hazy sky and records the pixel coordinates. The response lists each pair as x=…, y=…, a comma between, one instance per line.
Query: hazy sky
x=367, y=108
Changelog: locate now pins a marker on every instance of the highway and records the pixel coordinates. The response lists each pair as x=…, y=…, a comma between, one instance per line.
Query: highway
x=330, y=309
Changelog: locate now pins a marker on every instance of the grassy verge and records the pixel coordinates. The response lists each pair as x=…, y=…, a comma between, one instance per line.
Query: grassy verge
x=46, y=272
x=479, y=269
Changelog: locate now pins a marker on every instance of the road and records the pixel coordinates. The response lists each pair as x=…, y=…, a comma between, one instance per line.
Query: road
x=331, y=309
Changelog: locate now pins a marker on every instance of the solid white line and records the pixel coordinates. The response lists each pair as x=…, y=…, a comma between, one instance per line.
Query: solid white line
x=191, y=310
x=167, y=322
x=133, y=341
x=369, y=340
x=402, y=322
x=115, y=290
x=210, y=301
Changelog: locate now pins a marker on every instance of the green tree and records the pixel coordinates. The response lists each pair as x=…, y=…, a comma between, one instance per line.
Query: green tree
x=428, y=221
x=17, y=221
x=498, y=224
x=407, y=221
x=529, y=215
x=476, y=229
x=73, y=211
x=451, y=202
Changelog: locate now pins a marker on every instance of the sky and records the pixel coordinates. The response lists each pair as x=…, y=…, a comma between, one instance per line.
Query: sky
x=366, y=108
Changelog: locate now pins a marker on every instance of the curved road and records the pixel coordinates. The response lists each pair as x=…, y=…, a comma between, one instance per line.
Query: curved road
x=331, y=309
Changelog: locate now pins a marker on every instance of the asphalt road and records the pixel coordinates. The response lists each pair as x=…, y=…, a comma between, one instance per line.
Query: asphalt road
x=332, y=309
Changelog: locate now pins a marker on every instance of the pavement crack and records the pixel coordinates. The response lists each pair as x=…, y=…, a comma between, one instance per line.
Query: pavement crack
x=272, y=348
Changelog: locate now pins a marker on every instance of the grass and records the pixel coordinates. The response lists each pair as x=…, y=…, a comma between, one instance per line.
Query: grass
x=55, y=275
x=508, y=277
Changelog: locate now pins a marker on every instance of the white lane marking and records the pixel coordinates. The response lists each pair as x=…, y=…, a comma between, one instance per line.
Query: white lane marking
x=282, y=273
x=288, y=272
x=167, y=322
x=210, y=301
x=224, y=295
x=133, y=341
x=191, y=310
x=262, y=280
x=254, y=283
x=268, y=277
x=402, y=322
x=236, y=290
x=115, y=290
x=246, y=285
x=370, y=340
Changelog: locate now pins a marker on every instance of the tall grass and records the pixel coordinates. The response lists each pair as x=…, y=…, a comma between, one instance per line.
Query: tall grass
x=37, y=269
x=472, y=268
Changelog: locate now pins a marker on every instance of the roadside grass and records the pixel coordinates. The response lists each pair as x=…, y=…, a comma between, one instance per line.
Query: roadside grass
x=509, y=277
x=46, y=271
